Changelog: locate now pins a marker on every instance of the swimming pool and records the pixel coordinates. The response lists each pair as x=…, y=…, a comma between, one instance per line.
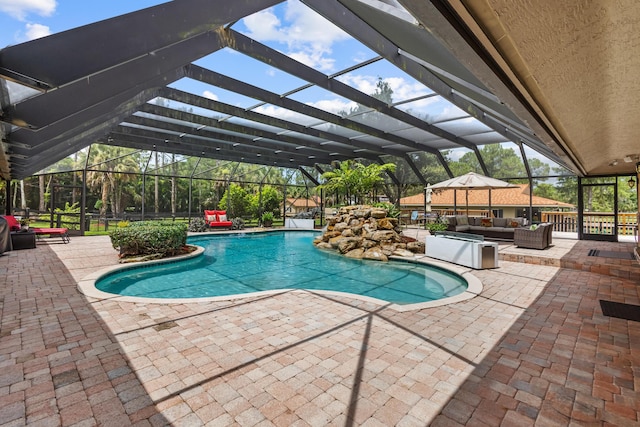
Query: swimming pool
x=246, y=263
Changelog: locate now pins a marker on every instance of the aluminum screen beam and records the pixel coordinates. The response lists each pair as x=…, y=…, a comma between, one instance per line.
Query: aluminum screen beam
x=225, y=142
x=91, y=49
x=237, y=138
x=231, y=110
x=217, y=79
x=130, y=141
x=36, y=112
x=496, y=116
x=282, y=62
x=278, y=141
x=57, y=148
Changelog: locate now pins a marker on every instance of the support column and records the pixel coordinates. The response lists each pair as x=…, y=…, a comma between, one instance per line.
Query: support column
x=638, y=213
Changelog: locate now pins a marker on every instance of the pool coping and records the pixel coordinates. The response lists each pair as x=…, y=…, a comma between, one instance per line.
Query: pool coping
x=86, y=285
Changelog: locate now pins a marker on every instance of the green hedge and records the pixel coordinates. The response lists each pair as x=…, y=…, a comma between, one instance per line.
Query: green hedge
x=149, y=237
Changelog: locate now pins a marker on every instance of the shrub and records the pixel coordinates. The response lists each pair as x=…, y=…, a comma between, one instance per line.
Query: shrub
x=237, y=224
x=149, y=238
x=392, y=210
x=436, y=226
x=197, y=225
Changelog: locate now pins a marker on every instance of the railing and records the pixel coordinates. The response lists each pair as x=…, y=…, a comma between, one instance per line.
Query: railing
x=593, y=222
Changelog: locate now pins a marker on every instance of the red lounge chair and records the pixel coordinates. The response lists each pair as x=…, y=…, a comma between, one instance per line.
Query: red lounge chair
x=217, y=219
x=63, y=233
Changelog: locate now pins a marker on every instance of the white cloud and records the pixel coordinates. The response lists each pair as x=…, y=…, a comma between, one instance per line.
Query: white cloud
x=283, y=113
x=35, y=31
x=308, y=36
x=210, y=95
x=19, y=9
x=333, y=105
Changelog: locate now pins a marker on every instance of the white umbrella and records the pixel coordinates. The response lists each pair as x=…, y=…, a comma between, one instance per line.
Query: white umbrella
x=472, y=181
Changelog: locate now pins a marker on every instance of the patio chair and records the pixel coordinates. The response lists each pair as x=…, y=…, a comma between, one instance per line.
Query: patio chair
x=540, y=238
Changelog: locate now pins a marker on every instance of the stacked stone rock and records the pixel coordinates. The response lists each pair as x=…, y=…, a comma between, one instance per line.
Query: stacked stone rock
x=365, y=232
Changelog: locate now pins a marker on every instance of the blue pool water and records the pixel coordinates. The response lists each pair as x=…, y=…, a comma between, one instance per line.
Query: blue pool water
x=242, y=263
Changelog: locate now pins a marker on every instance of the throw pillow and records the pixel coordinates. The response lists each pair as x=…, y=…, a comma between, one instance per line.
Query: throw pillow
x=462, y=220
x=222, y=218
x=211, y=218
x=534, y=227
x=486, y=222
x=514, y=224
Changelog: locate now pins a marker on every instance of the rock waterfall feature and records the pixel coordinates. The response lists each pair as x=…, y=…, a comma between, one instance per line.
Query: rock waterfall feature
x=366, y=232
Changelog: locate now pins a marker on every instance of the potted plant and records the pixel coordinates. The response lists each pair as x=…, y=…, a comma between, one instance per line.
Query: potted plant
x=439, y=224
x=267, y=219
x=24, y=224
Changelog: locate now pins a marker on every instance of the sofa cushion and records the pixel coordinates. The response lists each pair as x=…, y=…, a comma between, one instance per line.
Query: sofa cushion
x=462, y=228
x=499, y=222
x=462, y=220
x=513, y=223
x=486, y=222
x=505, y=230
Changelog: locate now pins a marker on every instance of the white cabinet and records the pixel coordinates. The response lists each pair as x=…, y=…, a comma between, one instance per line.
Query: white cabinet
x=307, y=224
x=458, y=250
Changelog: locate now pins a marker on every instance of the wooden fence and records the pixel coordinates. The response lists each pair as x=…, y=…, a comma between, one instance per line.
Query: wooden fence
x=594, y=222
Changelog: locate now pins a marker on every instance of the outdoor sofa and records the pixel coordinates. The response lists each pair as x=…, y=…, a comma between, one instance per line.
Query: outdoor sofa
x=491, y=228
x=217, y=219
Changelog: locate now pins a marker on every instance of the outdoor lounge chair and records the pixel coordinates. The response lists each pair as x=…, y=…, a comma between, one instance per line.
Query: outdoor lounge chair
x=63, y=233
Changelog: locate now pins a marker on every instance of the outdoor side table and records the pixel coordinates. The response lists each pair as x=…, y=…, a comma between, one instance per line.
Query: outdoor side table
x=23, y=240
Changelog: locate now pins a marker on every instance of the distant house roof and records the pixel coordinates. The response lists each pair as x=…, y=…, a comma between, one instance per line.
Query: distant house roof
x=515, y=196
x=302, y=203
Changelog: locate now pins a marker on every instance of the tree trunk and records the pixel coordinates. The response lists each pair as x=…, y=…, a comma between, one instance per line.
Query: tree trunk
x=156, y=203
x=42, y=206
x=174, y=195
x=105, y=196
x=23, y=197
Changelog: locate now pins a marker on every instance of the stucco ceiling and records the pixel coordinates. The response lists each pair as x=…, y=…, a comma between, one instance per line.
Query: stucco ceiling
x=574, y=66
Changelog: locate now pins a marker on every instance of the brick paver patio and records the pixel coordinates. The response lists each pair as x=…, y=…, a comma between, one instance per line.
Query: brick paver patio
x=532, y=349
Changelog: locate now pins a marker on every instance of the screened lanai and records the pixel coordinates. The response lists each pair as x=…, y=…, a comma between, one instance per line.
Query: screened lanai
x=296, y=86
